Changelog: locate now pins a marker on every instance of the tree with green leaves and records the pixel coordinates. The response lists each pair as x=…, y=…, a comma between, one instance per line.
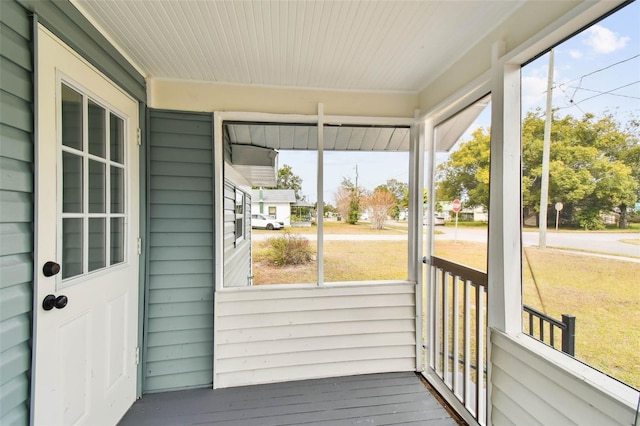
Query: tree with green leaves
x=465, y=175
x=594, y=167
x=289, y=180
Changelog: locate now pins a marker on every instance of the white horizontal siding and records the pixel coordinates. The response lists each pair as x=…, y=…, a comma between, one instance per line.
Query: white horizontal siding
x=267, y=334
x=237, y=255
x=534, y=384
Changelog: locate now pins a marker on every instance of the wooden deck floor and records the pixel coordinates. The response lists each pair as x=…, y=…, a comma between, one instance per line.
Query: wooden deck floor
x=374, y=399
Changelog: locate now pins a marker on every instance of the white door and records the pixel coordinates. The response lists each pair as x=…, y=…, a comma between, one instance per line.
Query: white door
x=86, y=278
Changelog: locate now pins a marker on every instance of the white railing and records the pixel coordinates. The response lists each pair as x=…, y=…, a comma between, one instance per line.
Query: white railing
x=456, y=339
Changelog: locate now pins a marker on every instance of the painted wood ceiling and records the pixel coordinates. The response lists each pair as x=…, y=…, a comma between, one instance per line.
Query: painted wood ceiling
x=397, y=46
x=336, y=138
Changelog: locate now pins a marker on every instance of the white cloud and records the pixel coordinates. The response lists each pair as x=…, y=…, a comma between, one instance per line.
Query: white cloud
x=534, y=88
x=575, y=54
x=603, y=40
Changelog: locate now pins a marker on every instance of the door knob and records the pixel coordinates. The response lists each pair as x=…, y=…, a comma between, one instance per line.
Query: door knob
x=50, y=301
x=50, y=269
x=61, y=302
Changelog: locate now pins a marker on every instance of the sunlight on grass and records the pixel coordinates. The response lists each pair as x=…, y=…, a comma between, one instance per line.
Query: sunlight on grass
x=601, y=293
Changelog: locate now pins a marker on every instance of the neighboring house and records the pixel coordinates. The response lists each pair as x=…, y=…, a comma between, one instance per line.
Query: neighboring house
x=124, y=198
x=273, y=202
x=476, y=214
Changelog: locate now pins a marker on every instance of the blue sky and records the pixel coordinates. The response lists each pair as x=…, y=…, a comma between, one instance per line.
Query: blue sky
x=596, y=71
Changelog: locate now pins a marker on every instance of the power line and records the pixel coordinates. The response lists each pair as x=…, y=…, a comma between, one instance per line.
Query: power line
x=603, y=93
x=601, y=69
x=606, y=93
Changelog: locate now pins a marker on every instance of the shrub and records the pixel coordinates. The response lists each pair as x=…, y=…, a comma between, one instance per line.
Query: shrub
x=589, y=219
x=289, y=250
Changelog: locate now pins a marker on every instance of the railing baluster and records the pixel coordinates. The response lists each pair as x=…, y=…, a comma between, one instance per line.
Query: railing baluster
x=438, y=322
x=541, y=330
x=551, y=339
x=480, y=401
x=456, y=329
x=445, y=328
x=432, y=316
x=467, y=343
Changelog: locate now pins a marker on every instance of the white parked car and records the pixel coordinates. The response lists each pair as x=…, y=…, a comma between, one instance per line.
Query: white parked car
x=260, y=221
x=437, y=220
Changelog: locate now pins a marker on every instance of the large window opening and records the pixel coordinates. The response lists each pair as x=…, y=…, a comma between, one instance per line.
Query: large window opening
x=360, y=233
x=581, y=194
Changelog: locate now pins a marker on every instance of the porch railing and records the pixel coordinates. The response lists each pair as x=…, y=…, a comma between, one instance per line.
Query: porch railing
x=456, y=342
x=457, y=335
x=543, y=328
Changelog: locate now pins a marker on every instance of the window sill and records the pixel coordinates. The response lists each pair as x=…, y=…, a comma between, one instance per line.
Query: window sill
x=309, y=286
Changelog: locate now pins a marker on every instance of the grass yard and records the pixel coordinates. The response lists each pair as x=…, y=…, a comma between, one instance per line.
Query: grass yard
x=602, y=293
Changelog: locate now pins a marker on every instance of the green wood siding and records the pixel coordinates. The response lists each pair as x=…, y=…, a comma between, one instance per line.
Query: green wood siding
x=179, y=325
x=16, y=212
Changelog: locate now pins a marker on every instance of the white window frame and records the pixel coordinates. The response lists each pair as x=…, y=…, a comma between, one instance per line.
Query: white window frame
x=415, y=227
x=240, y=200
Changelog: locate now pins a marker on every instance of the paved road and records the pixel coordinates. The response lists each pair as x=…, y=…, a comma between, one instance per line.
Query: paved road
x=603, y=242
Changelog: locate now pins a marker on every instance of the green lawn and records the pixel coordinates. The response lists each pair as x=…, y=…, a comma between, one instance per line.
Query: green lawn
x=602, y=293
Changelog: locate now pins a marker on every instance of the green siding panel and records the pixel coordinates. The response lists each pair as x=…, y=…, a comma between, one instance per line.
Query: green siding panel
x=16, y=112
x=13, y=17
x=16, y=144
x=178, y=344
x=15, y=80
x=13, y=45
x=16, y=212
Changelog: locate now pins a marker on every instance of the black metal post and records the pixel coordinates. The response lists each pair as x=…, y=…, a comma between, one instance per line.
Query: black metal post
x=569, y=334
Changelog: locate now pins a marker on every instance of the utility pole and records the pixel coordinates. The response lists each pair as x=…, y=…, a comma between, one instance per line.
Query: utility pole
x=546, y=150
x=356, y=180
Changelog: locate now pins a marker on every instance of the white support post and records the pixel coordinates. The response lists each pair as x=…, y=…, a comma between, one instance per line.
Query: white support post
x=320, y=196
x=505, y=245
x=416, y=186
x=504, y=268
x=428, y=284
x=218, y=194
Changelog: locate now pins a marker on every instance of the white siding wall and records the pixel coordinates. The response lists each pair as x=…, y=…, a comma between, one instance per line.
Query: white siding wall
x=237, y=255
x=275, y=334
x=536, y=385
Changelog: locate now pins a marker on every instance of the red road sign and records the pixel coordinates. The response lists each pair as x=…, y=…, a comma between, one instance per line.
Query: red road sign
x=457, y=205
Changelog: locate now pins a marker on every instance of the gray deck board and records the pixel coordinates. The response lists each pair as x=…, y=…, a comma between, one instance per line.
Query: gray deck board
x=373, y=399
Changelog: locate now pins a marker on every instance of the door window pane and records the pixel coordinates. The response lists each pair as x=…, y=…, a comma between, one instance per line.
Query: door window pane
x=92, y=188
x=117, y=190
x=97, y=244
x=97, y=130
x=71, y=183
x=71, y=118
x=117, y=139
x=96, y=187
x=117, y=240
x=71, y=247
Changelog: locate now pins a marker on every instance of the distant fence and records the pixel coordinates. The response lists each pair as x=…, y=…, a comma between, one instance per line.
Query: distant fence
x=543, y=327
